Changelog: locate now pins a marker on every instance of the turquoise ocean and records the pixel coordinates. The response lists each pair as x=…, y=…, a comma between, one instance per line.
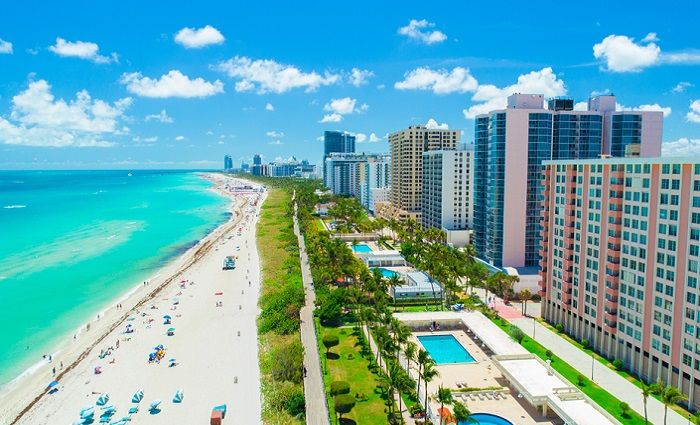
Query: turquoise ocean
x=71, y=242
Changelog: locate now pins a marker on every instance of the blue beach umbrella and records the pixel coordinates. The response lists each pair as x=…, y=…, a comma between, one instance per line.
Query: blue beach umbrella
x=53, y=384
x=138, y=396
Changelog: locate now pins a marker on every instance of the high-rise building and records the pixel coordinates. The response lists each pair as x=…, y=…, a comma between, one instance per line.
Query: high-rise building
x=446, y=189
x=336, y=142
x=407, y=147
x=375, y=173
x=257, y=168
x=257, y=159
x=621, y=262
x=228, y=163
x=342, y=173
x=510, y=145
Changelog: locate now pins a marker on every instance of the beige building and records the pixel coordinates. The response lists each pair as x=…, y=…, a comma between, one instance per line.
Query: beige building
x=407, y=147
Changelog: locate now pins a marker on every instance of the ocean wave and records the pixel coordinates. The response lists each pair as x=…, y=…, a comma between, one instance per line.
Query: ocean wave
x=12, y=207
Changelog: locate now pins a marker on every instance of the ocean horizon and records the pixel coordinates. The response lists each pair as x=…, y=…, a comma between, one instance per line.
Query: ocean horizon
x=74, y=241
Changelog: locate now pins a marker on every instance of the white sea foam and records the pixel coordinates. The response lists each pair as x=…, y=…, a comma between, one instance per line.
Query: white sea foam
x=12, y=207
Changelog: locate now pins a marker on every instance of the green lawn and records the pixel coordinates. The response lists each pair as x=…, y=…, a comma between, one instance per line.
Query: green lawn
x=348, y=365
x=597, y=393
x=320, y=226
x=430, y=306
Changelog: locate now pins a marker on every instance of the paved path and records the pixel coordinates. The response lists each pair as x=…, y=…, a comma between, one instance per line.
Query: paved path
x=314, y=390
x=603, y=376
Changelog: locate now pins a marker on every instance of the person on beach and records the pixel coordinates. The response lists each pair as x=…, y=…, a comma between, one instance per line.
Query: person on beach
x=53, y=371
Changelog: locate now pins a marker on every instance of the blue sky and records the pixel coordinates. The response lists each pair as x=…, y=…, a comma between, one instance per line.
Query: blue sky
x=170, y=85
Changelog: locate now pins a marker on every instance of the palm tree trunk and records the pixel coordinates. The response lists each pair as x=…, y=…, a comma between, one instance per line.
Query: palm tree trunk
x=646, y=421
x=665, y=412
x=425, y=406
x=442, y=406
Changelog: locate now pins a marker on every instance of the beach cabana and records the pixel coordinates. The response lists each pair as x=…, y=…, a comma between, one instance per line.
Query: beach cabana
x=102, y=399
x=138, y=396
x=179, y=396
x=167, y=319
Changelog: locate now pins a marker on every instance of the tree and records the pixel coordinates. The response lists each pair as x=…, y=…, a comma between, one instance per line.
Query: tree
x=525, y=296
x=444, y=396
x=429, y=373
x=330, y=341
x=624, y=409
x=670, y=396
x=339, y=387
x=647, y=390
x=330, y=308
x=462, y=414
x=516, y=333
x=421, y=359
x=409, y=351
x=343, y=404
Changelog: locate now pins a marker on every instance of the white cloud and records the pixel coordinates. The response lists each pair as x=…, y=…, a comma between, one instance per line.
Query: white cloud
x=269, y=107
x=81, y=49
x=180, y=138
x=373, y=138
x=420, y=32
x=360, y=137
x=320, y=138
x=275, y=134
x=331, y=118
x=581, y=106
x=694, y=114
x=151, y=139
x=359, y=77
x=209, y=133
x=37, y=118
x=621, y=53
x=196, y=38
x=267, y=75
x=490, y=97
x=681, y=147
x=363, y=138
x=276, y=142
x=649, y=107
x=172, y=84
x=162, y=116
x=5, y=47
x=680, y=87
x=433, y=125
x=440, y=81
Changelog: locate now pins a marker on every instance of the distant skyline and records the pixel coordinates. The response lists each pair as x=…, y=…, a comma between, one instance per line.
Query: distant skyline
x=168, y=85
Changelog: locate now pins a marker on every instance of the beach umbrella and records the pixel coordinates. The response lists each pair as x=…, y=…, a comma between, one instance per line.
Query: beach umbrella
x=167, y=316
x=53, y=384
x=155, y=404
x=171, y=329
x=138, y=396
x=179, y=395
x=102, y=399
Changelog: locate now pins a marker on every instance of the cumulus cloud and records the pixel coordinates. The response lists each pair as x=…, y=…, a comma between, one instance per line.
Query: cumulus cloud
x=620, y=53
x=267, y=75
x=694, y=114
x=343, y=106
x=363, y=138
x=162, y=116
x=275, y=142
x=81, y=49
x=648, y=107
x=680, y=87
x=433, y=125
x=269, y=107
x=421, y=32
x=681, y=147
x=490, y=97
x=151, y=139
x=5, y=47
x=440, y=81
x=37, y=118
x=196, y=38
x=172, y=84
x=275, y=134
x=359, y=77
x=180, y=138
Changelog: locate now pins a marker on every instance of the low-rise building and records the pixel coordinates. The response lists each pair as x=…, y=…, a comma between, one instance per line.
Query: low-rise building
x=417, y=286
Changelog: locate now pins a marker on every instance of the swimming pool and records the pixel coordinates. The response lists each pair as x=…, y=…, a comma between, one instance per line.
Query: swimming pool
x=445, y=349
x=361, y=248
x=486, y=419
x=387, y=273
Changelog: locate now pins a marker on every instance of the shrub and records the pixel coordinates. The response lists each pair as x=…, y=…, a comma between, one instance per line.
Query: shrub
x=330, y=341
x=617, y=364
x=585, y=344
x=351, y=356
x=581, y=380
x=549, y=354
x=536, y=298
x=295, y=404
x=559, y=327
x=286, y=362
x=339, y=387
x=624, y=409
x=516, y=333
x=343, y=404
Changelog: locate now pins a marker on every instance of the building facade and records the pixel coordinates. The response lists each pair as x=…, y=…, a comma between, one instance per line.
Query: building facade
x=510, y=145
x=228, y=163
x=447, y=188
x=620, y=262
x=257, y=168
x=407, y=147
x=336, y=142
x=342, y=173
x=374, y=174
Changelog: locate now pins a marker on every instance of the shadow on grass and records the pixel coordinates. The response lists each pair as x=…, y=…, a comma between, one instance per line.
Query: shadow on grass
x=347, y=421
x=332, y=356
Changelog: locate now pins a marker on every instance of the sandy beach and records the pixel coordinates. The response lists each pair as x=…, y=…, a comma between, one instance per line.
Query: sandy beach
x=214, y=343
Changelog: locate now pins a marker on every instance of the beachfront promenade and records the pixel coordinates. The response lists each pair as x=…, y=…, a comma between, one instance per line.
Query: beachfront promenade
x=602, y=375
x=314, y=389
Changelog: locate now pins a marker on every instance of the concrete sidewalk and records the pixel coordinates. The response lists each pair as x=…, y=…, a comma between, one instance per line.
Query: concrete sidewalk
x=602, y=375
x=314, y=390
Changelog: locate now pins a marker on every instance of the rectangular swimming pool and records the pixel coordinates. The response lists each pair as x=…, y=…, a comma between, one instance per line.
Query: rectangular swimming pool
x=445, y=349
x=361, y=248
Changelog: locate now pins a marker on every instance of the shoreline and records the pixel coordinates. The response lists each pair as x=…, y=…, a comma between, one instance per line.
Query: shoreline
x=27, y=389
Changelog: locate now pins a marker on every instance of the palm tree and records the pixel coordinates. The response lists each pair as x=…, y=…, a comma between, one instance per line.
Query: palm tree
x=670, y=396
x=395, y=383
x=429, y=373
x=525, y=296
x=444, y=396
x=647, y=390
x=422, y=358
x=409, y=350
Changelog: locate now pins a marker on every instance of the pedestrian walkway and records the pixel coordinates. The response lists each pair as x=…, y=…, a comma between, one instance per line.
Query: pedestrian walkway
x=602, y=375
x=314, y=390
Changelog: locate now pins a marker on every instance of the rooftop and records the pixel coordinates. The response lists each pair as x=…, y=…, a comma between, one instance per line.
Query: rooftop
x=624, y=161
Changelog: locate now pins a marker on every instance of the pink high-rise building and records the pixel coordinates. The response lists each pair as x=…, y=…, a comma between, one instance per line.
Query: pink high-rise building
x=620, y=262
